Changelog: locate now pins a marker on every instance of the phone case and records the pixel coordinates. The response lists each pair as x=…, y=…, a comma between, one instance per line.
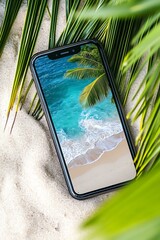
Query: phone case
x=52, y=129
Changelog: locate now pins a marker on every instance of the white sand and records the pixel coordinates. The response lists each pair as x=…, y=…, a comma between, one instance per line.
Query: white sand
x=34, y=201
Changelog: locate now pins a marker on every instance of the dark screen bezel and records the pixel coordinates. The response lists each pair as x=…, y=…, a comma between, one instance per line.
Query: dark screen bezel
x=64, y=53
x=52, y=53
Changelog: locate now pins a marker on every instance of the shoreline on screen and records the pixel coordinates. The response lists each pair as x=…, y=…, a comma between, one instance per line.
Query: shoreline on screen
x=114, y=168
x=108, y=144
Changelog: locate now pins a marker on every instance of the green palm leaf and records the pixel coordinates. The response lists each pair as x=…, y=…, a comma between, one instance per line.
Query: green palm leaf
x=85, y=61
x=69, y=4
x=147, y=101
x=11, y=9
x=37, y=111
x=149, y=136
x=69, y=26
x=124, y=9
x=142, y=220
x=98, y=89
x=88, y=57
x=76, y=28
x=31, y=28
x=150, y=41
x=53, y=25
x=117, y=44
x=133, y=213
x=147, y=48
x=83, y=73
x=95, y=91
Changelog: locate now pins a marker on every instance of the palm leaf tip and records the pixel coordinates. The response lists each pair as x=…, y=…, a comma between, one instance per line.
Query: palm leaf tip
x=95, y=92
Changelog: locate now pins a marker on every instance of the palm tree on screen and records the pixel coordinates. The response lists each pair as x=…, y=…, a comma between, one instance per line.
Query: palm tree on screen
x=89, y=66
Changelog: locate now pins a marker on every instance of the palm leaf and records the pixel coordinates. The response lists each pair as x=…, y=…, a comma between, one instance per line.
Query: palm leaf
x=141, y=62
x=54, y=15
x=123, y=9
x=31, y=28
x=69, y=4
x=149, y=136
x=150, y=125
x=148, y=45
x=52, y=42
x=70, y=21
x=83, y=73
x=129, y=216
x=95, y=91
x=85, y=61
x=37, y=111
x=76, y=26
x=151, y=41
x=117, y=44
x=11, y=9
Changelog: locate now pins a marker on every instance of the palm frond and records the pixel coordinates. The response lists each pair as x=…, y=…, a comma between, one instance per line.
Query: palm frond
x=53, y=25
x=133, y=213
x=117, y=44
x=69, y=4
x=86, y=60
x=151, y=41
x=147, y=104
x=11, y=10
x=145, y=47
x=52, y=42
x=138, y=65
x=69, y=26
x=31, y=28
x=83, y=73
x=124, y=9
x=26, y=93
x=37, y=111
x=151, y=82
x=76, y=27
x=32, y=103
x=102, y=31
x=149, y=137
x=95, y=91
x=147, y=26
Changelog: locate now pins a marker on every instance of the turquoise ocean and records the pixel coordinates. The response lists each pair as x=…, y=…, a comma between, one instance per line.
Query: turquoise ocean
x=79, y=130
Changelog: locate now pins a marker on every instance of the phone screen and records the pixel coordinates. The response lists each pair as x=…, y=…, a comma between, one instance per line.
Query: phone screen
x=85, y=117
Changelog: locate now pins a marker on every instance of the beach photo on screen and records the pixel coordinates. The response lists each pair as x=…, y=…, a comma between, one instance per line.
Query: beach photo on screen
x=86, y=119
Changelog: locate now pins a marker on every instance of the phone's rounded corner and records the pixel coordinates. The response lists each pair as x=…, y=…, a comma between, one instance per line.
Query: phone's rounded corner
x=96, y=42
x=75, y=195
x=33, y=59
x=99, y=45
x=134, y=175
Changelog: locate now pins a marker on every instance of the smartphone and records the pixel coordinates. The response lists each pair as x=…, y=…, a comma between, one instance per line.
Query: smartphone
x=85, y=117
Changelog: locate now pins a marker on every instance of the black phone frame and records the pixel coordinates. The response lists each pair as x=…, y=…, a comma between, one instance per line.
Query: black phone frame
x=51, y=124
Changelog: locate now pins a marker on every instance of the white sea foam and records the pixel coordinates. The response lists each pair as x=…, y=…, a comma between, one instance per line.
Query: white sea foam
x=99, y=136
